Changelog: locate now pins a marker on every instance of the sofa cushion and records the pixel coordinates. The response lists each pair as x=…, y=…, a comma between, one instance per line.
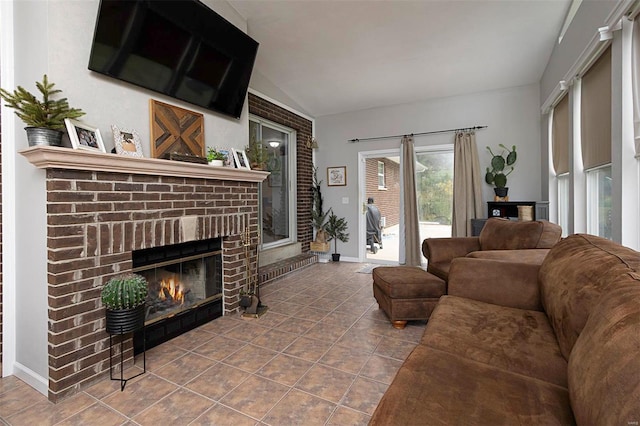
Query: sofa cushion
x=504, y=234
x=574, y=276
x=516, y=340
x=533, y=256
x=439, y=388
x=604, y=367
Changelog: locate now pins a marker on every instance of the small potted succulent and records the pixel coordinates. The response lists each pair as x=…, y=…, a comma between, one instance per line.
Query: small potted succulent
x=124, y=298
x=497, y=174
x=215, y=157
x=45, y=118
x=336, y=229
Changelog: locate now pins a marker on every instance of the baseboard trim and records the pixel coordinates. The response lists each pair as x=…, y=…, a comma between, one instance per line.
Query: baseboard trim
x=31, y=378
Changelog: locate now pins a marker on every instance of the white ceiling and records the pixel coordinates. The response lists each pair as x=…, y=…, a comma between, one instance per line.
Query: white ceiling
x=337, y=56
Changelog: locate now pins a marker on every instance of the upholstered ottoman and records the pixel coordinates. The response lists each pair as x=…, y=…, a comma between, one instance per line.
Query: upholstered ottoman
x=406, y=293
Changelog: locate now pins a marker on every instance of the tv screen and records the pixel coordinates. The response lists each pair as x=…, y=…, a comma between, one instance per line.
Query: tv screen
x=180, y=48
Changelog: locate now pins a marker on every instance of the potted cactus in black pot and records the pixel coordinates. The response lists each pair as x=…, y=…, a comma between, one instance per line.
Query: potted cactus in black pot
x=124, y=298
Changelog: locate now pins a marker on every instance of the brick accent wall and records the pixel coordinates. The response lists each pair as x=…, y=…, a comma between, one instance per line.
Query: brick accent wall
x=304, y=163
x=387, y=200
x=95, y=220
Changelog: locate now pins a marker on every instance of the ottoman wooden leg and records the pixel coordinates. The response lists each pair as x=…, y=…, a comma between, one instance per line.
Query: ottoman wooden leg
x=398, y=324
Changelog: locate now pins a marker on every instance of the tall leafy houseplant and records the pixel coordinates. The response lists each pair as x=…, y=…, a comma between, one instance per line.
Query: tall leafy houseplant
x=44, y=118
x=336, y=229
x=124, y=298
x=318, y=216
x=497, y=174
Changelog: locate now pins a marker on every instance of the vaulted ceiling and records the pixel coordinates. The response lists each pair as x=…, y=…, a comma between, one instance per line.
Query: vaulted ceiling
x=338, y=56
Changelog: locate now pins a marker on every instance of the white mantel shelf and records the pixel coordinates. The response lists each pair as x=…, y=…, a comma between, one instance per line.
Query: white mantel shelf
x=50, y=157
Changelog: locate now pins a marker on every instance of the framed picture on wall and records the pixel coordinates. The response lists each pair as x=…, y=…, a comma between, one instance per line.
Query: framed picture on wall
x=337, y=176
x=83, y=136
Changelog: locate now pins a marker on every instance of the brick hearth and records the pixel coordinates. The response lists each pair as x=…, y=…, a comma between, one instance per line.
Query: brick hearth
x=97, y=217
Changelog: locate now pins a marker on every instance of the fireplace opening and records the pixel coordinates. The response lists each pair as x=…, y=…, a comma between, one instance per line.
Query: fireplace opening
x=185, y=288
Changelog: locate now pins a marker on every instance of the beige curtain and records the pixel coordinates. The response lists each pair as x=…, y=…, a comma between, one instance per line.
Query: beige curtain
x=411, y=225
x=595, y=109
x=467, y=184
x=560, y=136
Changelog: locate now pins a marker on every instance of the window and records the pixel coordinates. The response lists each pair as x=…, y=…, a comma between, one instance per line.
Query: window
x=381, y=184
x=599, y=201
x=563, y=202
x=277, y=193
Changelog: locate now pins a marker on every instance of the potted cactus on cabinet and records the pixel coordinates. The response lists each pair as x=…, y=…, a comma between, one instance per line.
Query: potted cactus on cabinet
x=124, y=298
x=497, y=174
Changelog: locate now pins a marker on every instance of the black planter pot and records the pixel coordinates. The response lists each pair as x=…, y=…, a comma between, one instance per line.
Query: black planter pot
x=335, y=257
x=125, y=320
x=501, y=192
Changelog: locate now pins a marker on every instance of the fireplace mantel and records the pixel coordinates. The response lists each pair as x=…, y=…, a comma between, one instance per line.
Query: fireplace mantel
x=49, y=157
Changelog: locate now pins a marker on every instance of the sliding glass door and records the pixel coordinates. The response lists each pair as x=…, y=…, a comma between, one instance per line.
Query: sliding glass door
x=382, y=183
x=277, y=192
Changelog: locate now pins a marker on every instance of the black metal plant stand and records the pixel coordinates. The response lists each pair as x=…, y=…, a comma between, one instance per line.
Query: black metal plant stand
x=121, y=322
x=123, y=381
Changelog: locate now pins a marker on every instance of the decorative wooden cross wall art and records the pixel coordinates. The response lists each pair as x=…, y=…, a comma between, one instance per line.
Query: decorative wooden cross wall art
x=175, y=130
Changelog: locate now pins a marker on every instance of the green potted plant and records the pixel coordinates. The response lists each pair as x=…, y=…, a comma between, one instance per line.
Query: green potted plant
x=45, y=118
x=318, y=216
x=497, y=174
x=336, y=230
x=215, y=157
x=124, y=298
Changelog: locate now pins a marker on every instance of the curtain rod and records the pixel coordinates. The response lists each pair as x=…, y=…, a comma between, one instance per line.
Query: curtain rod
x=419, y=134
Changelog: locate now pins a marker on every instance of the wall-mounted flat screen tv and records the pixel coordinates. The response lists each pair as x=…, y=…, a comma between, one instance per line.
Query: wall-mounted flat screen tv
x=180, y=48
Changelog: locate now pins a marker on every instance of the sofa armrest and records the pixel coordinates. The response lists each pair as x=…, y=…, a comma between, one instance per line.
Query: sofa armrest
x=441, y=250
x=493, y=281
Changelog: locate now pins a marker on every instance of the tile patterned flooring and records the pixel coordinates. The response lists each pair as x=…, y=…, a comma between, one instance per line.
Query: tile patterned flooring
x=323, y=354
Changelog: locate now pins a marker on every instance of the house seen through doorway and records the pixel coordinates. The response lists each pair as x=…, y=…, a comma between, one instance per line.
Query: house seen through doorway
x=434, y=192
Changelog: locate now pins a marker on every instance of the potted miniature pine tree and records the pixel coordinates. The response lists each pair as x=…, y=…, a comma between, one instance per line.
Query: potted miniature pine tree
x=44, y=118
x=336, y=229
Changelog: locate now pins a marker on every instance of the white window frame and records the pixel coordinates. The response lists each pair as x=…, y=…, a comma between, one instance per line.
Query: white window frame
x=564, y=202
x=291, y=182
x=381, y=176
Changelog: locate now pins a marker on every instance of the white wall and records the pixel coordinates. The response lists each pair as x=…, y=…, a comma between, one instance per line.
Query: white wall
x=54, y=37
x=512, y=116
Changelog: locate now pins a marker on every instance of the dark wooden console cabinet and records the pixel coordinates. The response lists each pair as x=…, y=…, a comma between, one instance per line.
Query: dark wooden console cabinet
x=508, y=209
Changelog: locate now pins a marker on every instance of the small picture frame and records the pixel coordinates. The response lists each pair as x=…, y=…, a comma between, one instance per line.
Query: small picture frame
x=127, y=142
x=228, y=162
x=83, y=136
x=240, y=159
x=337, y=176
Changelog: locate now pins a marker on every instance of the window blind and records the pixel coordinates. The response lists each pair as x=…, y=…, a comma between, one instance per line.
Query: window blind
x=595, y=114
x=560, y=136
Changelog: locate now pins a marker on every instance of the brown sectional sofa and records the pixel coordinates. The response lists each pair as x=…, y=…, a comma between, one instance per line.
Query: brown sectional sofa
x=500, y=239
x=557, y=343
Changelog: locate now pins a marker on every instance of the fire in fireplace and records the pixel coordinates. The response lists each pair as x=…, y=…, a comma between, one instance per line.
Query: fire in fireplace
x=185, y=288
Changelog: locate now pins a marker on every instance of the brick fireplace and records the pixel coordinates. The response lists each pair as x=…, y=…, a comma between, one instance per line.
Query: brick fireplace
x=101, y=208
